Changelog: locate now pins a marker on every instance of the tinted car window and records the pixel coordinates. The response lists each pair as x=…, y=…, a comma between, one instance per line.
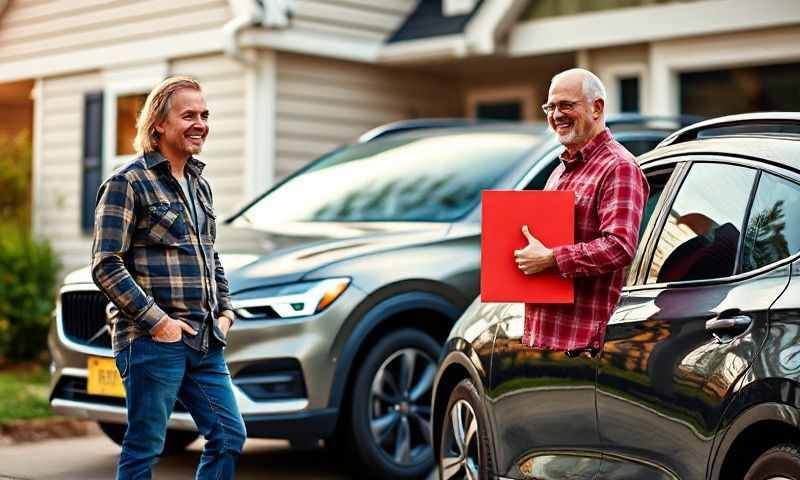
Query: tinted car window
x=773, y=228
x=540, y=179
x=701, y=235
x=657, y=178
x=640, y=145
x=433, y=178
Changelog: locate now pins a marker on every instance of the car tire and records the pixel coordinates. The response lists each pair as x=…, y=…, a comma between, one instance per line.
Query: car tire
x=781, y=462
x=176, y=441
x=462, y=450
x=400, y=447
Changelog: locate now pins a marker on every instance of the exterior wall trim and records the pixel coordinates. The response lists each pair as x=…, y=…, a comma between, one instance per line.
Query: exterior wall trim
x=38, y=151
x=636, y=25
x=260, y=88
x=427, y=49
x=312, y=43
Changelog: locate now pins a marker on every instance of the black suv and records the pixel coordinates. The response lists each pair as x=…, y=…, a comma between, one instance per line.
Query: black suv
x=699, y=377
x=346, y=278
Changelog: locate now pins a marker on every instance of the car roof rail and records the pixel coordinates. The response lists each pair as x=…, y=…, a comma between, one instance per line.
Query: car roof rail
x=403, y=126
x=783, y=124
x=666, y=121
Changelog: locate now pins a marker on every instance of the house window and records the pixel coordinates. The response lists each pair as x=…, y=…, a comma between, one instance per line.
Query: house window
x=128, y=108
x=512, y=104
x=500, y=110
x=92, y=164
x=629, y=95
x=739, y=90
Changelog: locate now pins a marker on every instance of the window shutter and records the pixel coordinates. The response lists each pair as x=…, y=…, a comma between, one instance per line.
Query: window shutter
x=92, y=165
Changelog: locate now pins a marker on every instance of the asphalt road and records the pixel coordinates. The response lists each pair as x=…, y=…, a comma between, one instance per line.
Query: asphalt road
x=95, y=458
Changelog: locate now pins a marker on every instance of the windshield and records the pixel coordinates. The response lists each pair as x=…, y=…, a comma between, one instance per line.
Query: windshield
x=430, y=179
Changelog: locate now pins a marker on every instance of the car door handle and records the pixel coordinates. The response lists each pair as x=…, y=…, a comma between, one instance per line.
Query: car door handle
x=736, y=322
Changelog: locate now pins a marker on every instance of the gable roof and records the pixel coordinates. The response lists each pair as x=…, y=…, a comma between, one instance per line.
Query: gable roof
x=427, y=20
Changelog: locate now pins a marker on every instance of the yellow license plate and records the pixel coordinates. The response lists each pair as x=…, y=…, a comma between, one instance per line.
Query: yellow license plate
x=104, y=378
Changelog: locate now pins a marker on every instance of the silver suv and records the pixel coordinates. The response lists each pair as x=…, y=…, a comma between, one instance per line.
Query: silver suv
x=347, y=278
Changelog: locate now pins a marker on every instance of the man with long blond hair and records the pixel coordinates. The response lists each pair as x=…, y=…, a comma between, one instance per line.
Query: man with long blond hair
x=153, y=256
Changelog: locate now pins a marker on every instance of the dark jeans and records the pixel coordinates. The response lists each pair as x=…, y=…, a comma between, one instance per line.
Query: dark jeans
x=155, y=374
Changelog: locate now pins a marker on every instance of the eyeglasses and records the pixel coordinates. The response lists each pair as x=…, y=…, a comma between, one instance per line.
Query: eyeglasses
x=564, y=106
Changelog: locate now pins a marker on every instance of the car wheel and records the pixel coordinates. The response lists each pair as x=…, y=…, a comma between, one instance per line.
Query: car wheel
x=777, y=463
x=176, y=441
x=391, y=407
x=464, y=451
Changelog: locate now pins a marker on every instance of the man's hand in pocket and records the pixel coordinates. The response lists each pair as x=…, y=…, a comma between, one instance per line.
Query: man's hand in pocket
x=170, y=330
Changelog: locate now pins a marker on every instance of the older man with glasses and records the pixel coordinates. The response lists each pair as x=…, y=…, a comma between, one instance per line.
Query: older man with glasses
x=610, y=193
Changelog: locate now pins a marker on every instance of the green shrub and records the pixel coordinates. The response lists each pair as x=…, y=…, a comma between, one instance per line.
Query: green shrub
x=15, y=178
x=28, y=273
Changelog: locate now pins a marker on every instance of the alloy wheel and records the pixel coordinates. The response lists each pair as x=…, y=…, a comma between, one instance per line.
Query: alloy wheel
x=460, y=447
x=400, y=405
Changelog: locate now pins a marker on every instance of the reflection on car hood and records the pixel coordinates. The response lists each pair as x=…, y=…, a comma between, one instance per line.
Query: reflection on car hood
x=285, y=253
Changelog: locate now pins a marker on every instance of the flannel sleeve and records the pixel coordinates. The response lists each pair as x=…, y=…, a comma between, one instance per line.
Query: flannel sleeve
x=622, y=197
x=115, y=221
x=223, y=289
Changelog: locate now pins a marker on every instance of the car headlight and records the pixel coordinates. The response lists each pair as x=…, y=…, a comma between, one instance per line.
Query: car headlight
x=290, y=301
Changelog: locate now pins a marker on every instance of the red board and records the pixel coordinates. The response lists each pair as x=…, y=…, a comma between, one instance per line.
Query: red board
x=550, y=217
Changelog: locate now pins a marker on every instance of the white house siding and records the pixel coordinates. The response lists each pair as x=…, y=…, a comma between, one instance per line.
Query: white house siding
x=32, y=28
x=58, y=208
x=366, y=19
x=324, y=103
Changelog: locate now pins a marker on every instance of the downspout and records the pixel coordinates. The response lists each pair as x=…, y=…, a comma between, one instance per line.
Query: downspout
x=248, y=14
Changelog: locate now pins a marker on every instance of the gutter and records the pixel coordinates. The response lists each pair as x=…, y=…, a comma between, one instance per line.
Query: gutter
x=273, y=14
x=247, y=13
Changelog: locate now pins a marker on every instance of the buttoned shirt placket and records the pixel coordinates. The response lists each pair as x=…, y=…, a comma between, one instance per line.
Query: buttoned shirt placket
x=195, y=239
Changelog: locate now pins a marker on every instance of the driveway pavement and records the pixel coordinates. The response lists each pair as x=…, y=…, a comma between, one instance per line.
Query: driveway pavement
x=95, y=457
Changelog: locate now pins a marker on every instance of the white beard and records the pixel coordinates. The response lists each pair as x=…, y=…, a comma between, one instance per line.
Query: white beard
x=569, y=138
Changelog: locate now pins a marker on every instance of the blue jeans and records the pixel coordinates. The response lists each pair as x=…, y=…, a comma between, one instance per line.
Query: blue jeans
x=155, y=374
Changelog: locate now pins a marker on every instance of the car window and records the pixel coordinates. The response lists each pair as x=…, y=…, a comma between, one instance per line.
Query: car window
x=437, y=178
x=540, y=179
x=657, y=179
x=773, y=227
x=639, y=146
x=700, y=237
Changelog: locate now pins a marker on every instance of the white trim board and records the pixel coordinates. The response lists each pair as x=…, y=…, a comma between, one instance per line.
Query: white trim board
x=312, y=43
x=424, y=49
x=38, y=151
x=260, y=78
x=650, y=23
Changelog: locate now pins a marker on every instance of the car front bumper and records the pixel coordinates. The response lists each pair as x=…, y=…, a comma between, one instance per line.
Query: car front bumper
x=307, y=340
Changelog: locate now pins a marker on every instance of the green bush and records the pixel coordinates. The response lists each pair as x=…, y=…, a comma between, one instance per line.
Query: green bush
x=28, y=273
x=15, y=178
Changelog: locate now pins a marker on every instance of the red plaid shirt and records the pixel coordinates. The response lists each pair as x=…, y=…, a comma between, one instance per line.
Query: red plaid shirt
x=610, y=193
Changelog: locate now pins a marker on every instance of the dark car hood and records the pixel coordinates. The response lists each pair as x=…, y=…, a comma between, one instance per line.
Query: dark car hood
x=284, y=253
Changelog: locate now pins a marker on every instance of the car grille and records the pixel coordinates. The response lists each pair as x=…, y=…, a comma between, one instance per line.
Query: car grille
x=83, y=317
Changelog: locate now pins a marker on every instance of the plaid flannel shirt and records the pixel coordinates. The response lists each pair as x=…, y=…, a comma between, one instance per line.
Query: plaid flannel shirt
x=610, y=193
x=148, y=256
